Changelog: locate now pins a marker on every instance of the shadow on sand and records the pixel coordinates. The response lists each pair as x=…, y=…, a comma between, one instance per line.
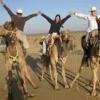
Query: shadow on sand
x=35, y=64
x=15, y=90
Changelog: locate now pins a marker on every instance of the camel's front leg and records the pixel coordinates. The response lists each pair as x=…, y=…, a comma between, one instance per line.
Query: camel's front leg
x=64, y=77
x=51, y=72
x=79, y=72
x=63, y=72
x=53, y=64
x=76, y=77
x=25, y=74
x=95, y=78
x=42, y=72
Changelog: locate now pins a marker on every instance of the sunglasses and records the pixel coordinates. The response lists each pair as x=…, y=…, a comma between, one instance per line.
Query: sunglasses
x=19, y=13
x=93, y=11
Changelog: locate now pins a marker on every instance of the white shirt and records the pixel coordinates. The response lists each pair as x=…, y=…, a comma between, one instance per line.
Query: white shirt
x=92, y=24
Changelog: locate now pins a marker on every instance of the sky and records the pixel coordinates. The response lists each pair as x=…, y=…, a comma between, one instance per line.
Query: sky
x=51, y=8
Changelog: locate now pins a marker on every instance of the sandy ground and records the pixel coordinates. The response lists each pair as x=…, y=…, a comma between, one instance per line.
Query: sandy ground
x=81, y=89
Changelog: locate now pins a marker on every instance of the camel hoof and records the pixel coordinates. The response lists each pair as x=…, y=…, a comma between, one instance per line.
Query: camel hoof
x=42, y=78
x=98, y=83
x=52, y=79
x=36, y=87
x=56, y=87
x=70, y=86
x=93, y=94
x=67, y=86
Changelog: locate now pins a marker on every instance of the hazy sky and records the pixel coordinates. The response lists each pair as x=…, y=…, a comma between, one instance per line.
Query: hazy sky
x=51, y=8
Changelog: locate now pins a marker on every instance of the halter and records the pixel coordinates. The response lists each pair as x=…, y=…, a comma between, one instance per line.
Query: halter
x=14, y=58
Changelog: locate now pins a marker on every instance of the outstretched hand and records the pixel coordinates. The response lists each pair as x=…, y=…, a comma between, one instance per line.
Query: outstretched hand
x=72, y=13
x=39, y=13
x=1, y=1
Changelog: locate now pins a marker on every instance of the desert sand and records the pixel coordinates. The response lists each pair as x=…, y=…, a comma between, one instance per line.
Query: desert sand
x=46, y=91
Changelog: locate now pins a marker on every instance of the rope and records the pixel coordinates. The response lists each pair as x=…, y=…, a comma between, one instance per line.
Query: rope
x=14, y=58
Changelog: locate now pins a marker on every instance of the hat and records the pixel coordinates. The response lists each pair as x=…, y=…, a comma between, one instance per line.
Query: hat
x=19, y=11
x=93, y=8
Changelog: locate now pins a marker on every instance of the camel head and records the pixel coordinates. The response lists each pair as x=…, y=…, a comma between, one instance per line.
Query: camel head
x=65, y=36
x=11, y=36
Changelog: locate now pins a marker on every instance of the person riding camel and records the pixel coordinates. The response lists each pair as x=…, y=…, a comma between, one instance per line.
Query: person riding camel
x=55, y=27
x=14, y=51
x=92, y=28
x=92, y=24
x=19, y=21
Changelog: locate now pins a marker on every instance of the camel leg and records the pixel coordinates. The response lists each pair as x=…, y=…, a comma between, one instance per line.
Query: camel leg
x=76, y=77
x=51, y=72
x=28, y=77
x=53, y=63
x=26, y=74
x=8, y=77
x=64, y=76
x=8, y=68
x=98, y=82
x=95, y=80
x=55, y=78
x=79, y=72
x=43, y=70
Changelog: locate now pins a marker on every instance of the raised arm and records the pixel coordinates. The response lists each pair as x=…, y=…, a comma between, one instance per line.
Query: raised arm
x=65, y=19
x=47, y=18
x=82, y=16
x=6, y=8
x=30, y=16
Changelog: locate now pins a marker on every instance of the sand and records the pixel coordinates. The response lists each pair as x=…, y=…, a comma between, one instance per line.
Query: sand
x=80, y=90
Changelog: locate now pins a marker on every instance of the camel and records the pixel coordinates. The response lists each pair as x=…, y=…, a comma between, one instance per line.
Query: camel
x=57, y=55
x=14, y=52
x=91, y=59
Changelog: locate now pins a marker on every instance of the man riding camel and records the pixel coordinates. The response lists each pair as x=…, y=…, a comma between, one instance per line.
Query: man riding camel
x=92, y=26
x=14, y=52
x=19, y=21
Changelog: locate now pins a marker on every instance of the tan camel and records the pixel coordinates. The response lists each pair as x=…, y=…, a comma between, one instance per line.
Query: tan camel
x=57, y=55
x=93, y=59
x=15, y=52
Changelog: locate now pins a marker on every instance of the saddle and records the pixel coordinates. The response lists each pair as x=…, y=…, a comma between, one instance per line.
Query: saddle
x=56, y=41
x=87, y=49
